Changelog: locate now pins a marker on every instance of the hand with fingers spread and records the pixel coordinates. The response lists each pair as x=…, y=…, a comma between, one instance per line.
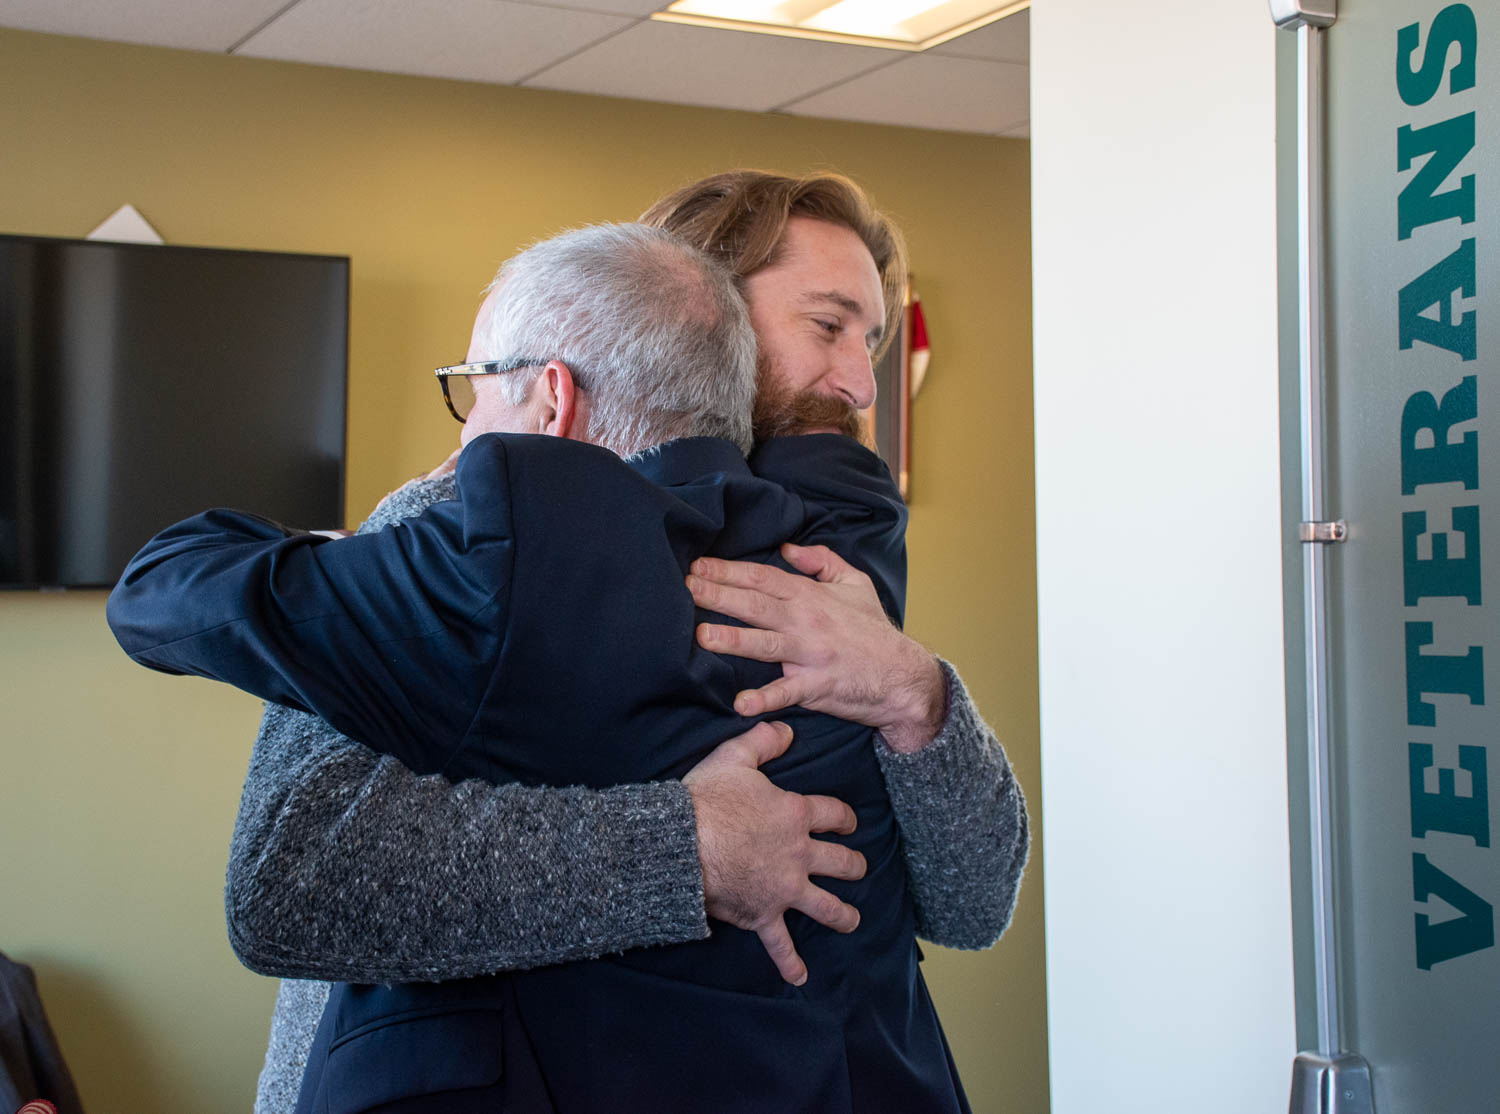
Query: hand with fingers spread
x=839, y=652
x=755, y=843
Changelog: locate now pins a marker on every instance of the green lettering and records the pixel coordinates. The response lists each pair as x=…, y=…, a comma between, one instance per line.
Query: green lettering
x=1441, y=575
x=1453, y=25
x=1446, y=143
x=1445, y=810
x=1445, y=462
x=1473, y=930
x=1433, y=673
x=1436, y=287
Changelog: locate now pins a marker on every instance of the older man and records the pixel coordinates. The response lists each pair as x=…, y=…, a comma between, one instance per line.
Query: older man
x=343, y=861
x=548, y=605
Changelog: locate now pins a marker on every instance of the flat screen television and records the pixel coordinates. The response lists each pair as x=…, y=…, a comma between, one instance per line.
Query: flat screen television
x=141, y=384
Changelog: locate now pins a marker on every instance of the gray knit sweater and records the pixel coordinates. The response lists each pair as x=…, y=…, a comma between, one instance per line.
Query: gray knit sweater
x=347, y=866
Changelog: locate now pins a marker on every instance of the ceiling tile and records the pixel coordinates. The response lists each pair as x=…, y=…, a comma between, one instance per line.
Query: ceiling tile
x=926, y=91
x=705, y=66
x=638, y=8
x=473, y=40
x=189, y=24
x=1005, y=40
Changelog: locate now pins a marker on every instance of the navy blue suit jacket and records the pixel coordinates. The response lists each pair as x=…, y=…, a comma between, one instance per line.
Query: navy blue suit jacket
x=538, y=629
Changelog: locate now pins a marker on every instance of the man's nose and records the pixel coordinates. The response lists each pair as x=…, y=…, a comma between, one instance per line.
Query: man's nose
x=854, y=378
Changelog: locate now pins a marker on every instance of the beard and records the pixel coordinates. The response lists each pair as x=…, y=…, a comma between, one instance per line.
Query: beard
x=782, y=412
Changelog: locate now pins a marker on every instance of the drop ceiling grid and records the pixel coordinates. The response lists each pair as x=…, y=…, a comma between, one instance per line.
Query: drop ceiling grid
x=657, y=61
x=1005, y=40
x=974, y=83
x=475, y=40
x=927, y=91
x=184, y=24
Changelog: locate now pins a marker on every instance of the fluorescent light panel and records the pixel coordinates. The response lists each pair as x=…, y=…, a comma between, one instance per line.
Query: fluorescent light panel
x=893, y=24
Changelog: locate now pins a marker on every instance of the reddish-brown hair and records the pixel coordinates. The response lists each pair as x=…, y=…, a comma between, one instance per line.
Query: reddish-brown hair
x=740, y=216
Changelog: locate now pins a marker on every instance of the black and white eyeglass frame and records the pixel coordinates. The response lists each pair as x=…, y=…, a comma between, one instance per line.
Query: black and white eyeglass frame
x=463, y=405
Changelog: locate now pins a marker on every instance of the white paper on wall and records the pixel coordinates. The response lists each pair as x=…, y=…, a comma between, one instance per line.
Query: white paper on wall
x=127, y=225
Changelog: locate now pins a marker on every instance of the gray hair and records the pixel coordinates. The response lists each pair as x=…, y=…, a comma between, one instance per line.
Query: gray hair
x=653, y=330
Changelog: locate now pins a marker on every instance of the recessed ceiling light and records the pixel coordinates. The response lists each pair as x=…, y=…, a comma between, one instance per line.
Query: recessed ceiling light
x=893, y=24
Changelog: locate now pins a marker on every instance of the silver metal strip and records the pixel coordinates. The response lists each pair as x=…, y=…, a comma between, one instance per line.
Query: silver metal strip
x=1310, y=274
x=1323, y=533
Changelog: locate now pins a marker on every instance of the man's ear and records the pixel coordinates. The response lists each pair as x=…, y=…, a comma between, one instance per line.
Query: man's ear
x=562, y=410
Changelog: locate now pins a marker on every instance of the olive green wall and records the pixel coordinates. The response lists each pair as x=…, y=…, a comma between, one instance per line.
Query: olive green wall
x=120, y=785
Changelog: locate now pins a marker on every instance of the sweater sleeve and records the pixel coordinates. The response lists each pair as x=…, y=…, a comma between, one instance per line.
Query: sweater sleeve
x=964, y=829
x=346, y=865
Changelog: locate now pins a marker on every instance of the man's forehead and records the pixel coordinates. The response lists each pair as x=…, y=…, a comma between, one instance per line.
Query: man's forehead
x=835, y=251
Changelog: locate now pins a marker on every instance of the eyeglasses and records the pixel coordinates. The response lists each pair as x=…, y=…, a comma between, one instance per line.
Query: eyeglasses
x=458, y=390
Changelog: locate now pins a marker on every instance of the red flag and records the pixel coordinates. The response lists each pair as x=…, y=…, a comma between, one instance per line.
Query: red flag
x=920, y=352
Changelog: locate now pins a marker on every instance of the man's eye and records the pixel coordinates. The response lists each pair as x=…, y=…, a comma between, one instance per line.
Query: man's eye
x=830, y=327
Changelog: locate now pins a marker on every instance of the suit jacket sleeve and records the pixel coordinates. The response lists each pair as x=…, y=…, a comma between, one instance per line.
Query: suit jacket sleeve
x=385, y=636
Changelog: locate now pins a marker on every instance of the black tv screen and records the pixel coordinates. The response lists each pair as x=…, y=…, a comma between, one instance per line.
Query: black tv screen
x=141, y=384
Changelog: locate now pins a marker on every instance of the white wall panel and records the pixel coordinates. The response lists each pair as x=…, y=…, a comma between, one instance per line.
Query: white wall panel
x=1169, y=955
